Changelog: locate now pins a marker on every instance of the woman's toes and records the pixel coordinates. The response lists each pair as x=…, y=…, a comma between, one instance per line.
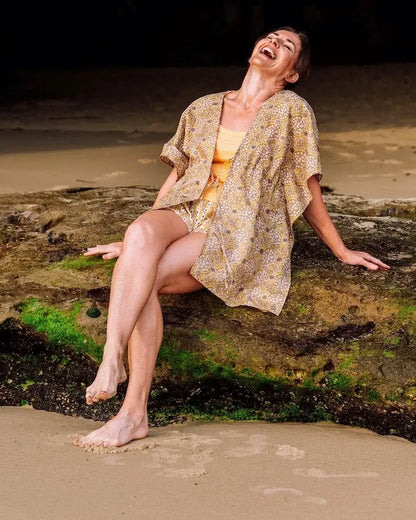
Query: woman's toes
x=89, y=398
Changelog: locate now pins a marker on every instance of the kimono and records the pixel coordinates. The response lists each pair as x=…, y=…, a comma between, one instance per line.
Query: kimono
x=245, y=259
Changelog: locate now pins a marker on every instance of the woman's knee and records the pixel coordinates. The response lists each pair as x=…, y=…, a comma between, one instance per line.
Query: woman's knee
x=140, y=234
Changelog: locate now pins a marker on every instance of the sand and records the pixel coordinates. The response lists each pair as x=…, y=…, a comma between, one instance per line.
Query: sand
x=217, y=470
x=107, y=127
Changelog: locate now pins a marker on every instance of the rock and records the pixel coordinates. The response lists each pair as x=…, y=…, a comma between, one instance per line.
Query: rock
x=343, y=347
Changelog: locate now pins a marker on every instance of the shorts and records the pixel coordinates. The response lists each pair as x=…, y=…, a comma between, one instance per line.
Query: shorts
x=196, y=214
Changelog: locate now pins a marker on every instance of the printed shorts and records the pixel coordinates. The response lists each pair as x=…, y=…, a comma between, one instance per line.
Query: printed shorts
x=196, y=214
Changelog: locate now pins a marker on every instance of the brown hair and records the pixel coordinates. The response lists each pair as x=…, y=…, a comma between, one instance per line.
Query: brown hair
x=303, y=63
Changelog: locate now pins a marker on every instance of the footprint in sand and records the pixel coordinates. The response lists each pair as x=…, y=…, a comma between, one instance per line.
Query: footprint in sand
x=195, y=465
x=289, y=452
x=231, y=434
x=182, y=456
x=347, y=155
x=286, y=493
x=319, y=473
x=255, y=445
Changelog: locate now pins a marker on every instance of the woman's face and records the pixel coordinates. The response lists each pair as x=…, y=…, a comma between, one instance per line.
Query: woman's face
x=277, y=52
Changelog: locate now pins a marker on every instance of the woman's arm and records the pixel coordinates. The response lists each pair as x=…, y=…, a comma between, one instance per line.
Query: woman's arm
x=113, y=250
x=166, y=186
x=317, y=216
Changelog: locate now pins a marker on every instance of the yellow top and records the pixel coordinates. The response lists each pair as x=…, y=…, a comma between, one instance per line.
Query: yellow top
x=227, y=144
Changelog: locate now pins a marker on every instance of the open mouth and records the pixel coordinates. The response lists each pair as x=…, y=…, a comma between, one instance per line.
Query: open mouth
x=268, y=52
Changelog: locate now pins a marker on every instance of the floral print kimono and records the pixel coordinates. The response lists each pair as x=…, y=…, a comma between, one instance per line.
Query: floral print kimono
x=245, y=259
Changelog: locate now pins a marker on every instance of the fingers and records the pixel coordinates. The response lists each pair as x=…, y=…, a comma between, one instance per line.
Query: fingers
x=97, y=250
x=375, y=262
x=368, y=265
x=108, y=251
x=110, y=256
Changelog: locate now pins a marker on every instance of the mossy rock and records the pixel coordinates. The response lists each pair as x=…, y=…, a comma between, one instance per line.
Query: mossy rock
x=344, y=340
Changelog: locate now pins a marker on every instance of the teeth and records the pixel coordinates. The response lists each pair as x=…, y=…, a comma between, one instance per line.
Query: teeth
x=268, y=52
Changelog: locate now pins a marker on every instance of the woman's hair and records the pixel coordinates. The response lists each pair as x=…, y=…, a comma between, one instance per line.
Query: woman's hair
x=303, y=63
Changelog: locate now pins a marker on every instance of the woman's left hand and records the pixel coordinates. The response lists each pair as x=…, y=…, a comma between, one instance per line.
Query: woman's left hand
x=107, y=251
x=362, y=258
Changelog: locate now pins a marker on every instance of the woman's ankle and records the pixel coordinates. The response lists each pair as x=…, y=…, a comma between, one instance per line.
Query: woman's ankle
x=111, y=356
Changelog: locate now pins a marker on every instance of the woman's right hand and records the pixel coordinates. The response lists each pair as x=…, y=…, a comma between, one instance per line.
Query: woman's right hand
x=107, y=251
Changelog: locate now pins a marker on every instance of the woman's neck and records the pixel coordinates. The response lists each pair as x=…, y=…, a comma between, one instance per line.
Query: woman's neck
x=255, y=89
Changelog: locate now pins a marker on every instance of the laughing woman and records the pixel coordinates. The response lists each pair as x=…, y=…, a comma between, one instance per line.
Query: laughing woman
x=245, y=166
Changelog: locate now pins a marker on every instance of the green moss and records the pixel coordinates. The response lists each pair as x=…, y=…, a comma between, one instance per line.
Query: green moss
x=60, y=327
x=310, y=384
x=242, y=414
x=394, y=397
x=290, y=412
x=302, y=274
x=374, y=395
x=302, y=308
x=389, y=354
x=407, y=314
x=206, y=335
x=26, y=385
x=340, y=382
x=407, y=311
x=80, y=263
x=192, y=365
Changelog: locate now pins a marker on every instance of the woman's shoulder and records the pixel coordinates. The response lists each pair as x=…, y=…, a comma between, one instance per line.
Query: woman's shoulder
x=295, y=101
x=206, y=101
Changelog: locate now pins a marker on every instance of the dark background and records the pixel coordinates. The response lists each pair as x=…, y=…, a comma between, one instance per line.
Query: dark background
x=85, y=33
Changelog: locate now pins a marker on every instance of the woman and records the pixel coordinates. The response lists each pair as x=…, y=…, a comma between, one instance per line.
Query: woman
x=262, y=138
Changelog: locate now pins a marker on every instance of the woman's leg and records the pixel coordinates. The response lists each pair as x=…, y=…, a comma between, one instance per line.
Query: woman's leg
x=144, y=244
x=173, y=277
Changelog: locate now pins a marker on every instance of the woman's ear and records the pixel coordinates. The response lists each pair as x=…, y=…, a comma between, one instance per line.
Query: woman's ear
x=292, y=77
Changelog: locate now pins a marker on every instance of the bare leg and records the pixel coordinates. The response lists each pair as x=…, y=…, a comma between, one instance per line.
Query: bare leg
x=173, y=277
x=133, y=280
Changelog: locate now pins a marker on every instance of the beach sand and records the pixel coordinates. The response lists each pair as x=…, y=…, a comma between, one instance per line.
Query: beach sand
x=107, y=127
x=216, y=470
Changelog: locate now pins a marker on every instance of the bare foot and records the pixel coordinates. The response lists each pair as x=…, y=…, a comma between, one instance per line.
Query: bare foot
x=120, y=430
x=109, y=375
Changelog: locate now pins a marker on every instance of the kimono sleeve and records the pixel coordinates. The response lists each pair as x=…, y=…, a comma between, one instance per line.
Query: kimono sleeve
x=305, y=160
x=173, y=151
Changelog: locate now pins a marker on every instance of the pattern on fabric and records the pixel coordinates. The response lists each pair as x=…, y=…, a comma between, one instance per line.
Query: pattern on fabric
x=196, y=214
x=245, y=259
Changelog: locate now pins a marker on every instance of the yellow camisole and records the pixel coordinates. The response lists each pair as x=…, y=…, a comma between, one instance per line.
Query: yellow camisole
x=227, y=144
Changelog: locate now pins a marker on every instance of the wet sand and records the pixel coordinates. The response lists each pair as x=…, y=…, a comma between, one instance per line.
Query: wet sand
x=208, y=471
